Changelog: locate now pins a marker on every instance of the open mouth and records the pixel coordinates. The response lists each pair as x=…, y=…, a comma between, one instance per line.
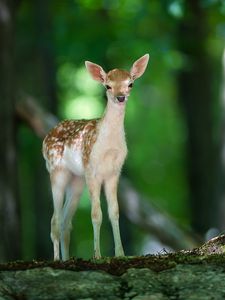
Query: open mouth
x=121, y=99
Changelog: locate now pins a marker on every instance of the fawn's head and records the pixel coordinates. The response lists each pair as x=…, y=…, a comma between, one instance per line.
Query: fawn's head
x=118, y=83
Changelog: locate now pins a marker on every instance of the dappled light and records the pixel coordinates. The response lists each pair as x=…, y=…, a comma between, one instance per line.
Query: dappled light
x=82, y=107
x=80, y=94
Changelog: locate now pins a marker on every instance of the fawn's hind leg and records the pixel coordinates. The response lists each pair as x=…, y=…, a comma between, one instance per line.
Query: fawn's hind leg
x=73, y=193
x=59, y=180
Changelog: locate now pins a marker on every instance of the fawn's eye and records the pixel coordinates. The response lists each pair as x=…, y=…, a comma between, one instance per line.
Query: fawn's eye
x=130, y=85
x=108, y=87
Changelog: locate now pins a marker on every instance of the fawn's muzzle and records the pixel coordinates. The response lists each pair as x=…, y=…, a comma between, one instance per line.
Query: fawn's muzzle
x=121, y=98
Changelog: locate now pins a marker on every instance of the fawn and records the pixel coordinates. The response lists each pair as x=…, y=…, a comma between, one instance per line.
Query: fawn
x=93, y=151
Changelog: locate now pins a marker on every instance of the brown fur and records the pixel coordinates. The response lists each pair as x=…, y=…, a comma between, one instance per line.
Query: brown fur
x=118, y=75
x=80, y=134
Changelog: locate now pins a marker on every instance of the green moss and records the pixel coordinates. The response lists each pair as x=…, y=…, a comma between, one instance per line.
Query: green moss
x=118, y=266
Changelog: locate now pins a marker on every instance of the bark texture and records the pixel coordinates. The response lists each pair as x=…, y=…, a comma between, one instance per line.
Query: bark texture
x=190, y=275
x=9, y=221
x=198, y=104
x=183, y=281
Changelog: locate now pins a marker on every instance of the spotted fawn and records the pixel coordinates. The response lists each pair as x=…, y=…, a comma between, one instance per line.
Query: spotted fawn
x=91, y=151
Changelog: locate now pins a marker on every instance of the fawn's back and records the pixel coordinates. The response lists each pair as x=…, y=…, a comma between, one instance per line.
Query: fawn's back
x=69, y=144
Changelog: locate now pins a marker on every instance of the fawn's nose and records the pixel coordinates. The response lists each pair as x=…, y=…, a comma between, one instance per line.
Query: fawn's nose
x=121, y=98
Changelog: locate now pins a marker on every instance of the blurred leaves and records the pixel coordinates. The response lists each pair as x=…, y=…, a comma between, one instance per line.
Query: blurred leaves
x=114, y=34
x=80, y=94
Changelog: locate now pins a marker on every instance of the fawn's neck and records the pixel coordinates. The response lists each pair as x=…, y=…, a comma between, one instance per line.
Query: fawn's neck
x=113, y=118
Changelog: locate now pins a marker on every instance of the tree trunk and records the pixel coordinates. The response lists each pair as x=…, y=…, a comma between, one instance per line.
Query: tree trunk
x=196, y=100
x=43, y=208
x=39, y=77
x=222, y=154
x=46, y=52
x=9, y=220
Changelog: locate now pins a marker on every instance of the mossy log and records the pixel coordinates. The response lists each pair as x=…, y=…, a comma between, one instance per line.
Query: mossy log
x=197, y=274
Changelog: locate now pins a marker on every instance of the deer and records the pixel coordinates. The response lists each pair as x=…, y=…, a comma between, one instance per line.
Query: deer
x=92, y=152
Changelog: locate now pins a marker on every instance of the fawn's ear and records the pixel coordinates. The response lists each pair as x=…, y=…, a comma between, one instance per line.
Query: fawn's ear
x=139, y=66
x=96, y=71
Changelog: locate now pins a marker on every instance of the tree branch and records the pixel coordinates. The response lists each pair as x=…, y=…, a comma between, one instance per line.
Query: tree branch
x=141, y=211
x=34, y=115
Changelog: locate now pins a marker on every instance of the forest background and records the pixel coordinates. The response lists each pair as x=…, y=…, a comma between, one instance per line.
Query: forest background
x=172, y=185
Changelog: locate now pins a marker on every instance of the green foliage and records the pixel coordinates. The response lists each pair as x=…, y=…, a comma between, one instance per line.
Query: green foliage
x=114, y=34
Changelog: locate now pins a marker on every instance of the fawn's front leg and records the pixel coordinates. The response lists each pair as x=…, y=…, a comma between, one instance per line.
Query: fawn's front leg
x=94, y=187
x=113, y=210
